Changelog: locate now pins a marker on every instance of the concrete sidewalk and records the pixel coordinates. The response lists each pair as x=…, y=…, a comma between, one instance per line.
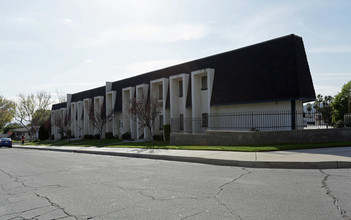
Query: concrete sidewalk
x=321, y=158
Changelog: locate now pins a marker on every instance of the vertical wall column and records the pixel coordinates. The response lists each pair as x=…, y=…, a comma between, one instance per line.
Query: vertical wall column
x=54, y=120
x=110, y=106
x=129, y=125
x=73, y=119
x=159, y=91
x=110, y=109
x=79, y=120
x=98, y=108
x=178, y=95
x=87, y=123
x=201, y=84
x=141, y=95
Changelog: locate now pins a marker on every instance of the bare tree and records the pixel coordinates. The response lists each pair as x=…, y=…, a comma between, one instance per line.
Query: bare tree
x=63, y=123
x=100, y=117
x=7, y=109
x=27, y=106
x=61, y=96
x=145, y=111
x=43, y=100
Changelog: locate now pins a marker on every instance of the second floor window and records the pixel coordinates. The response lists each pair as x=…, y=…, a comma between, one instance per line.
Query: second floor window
x=160, y=92
x=204, y=83
x=160, y=122
x=180, y=88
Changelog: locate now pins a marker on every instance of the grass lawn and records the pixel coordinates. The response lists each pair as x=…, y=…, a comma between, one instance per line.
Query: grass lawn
x=165, y=145
x=81, y=142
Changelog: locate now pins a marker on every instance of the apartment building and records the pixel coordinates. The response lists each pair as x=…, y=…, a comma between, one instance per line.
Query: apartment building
x=270, y=76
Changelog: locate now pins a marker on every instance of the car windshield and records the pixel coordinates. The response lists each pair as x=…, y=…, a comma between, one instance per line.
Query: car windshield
x=5, y=139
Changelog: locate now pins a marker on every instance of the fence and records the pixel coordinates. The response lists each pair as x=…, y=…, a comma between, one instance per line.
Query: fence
x=251, y=121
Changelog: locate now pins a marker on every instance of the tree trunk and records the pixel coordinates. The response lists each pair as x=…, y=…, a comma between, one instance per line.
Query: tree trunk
x=152, y=135
x=30, y=135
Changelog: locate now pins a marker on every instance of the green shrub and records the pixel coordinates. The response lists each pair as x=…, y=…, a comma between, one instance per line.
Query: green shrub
x=43, y=133
x=158, y=137
x=109, y=135
x=97, y=136
x=167, y=131
x=88, y=136
x=127, y=136
x=347, y=120
x=339, y=124
x=69, y=134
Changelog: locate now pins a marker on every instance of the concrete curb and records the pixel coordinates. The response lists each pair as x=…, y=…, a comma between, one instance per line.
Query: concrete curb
x=220, y=162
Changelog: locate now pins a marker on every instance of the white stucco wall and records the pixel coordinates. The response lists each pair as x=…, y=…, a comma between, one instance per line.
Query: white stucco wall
x=141, y=95
x=129, y=125
x=260, y=116
x=87, y=122
x=201, y=99
x=154, y=94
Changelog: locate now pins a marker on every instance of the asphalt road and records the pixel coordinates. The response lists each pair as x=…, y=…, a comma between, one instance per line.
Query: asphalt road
x=56, y=185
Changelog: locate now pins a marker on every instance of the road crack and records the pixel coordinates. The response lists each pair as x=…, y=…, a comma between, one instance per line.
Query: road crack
x=221, y=188
x=56, y=205
x=217, y=199
x=18, y=214
x=330, y=194
x=192, y=215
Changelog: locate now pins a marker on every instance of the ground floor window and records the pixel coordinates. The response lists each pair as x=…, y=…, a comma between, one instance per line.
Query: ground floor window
x=204, y=120
x=160, y=122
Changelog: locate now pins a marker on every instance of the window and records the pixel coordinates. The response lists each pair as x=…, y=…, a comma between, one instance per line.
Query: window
x=160, y=122
x=181, y=122
x=180, y=88
x=204, y=120
x=160, y=91
x=204, y=83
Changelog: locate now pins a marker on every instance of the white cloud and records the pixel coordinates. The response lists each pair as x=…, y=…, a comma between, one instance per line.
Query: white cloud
x=327, y=90
x=322, y=77
x=65, y=84
x=20, y=44
x=335, y=74
x=331, y=49
x=264, y=23
x=147, y=66
x=87, y=61
x=144, y=33
x=67, y=20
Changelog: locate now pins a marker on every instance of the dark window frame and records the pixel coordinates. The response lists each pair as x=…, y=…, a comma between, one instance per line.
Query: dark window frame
x=160, y=91
x=180, y=88
x=160, y=122
x=204, y=82
x=204, y=120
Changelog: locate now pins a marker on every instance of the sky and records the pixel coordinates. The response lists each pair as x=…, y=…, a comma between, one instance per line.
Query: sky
x=68, y=46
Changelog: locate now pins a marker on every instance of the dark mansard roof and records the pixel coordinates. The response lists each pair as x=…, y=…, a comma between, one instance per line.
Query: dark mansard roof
x=59, y=106
x=274, y=70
